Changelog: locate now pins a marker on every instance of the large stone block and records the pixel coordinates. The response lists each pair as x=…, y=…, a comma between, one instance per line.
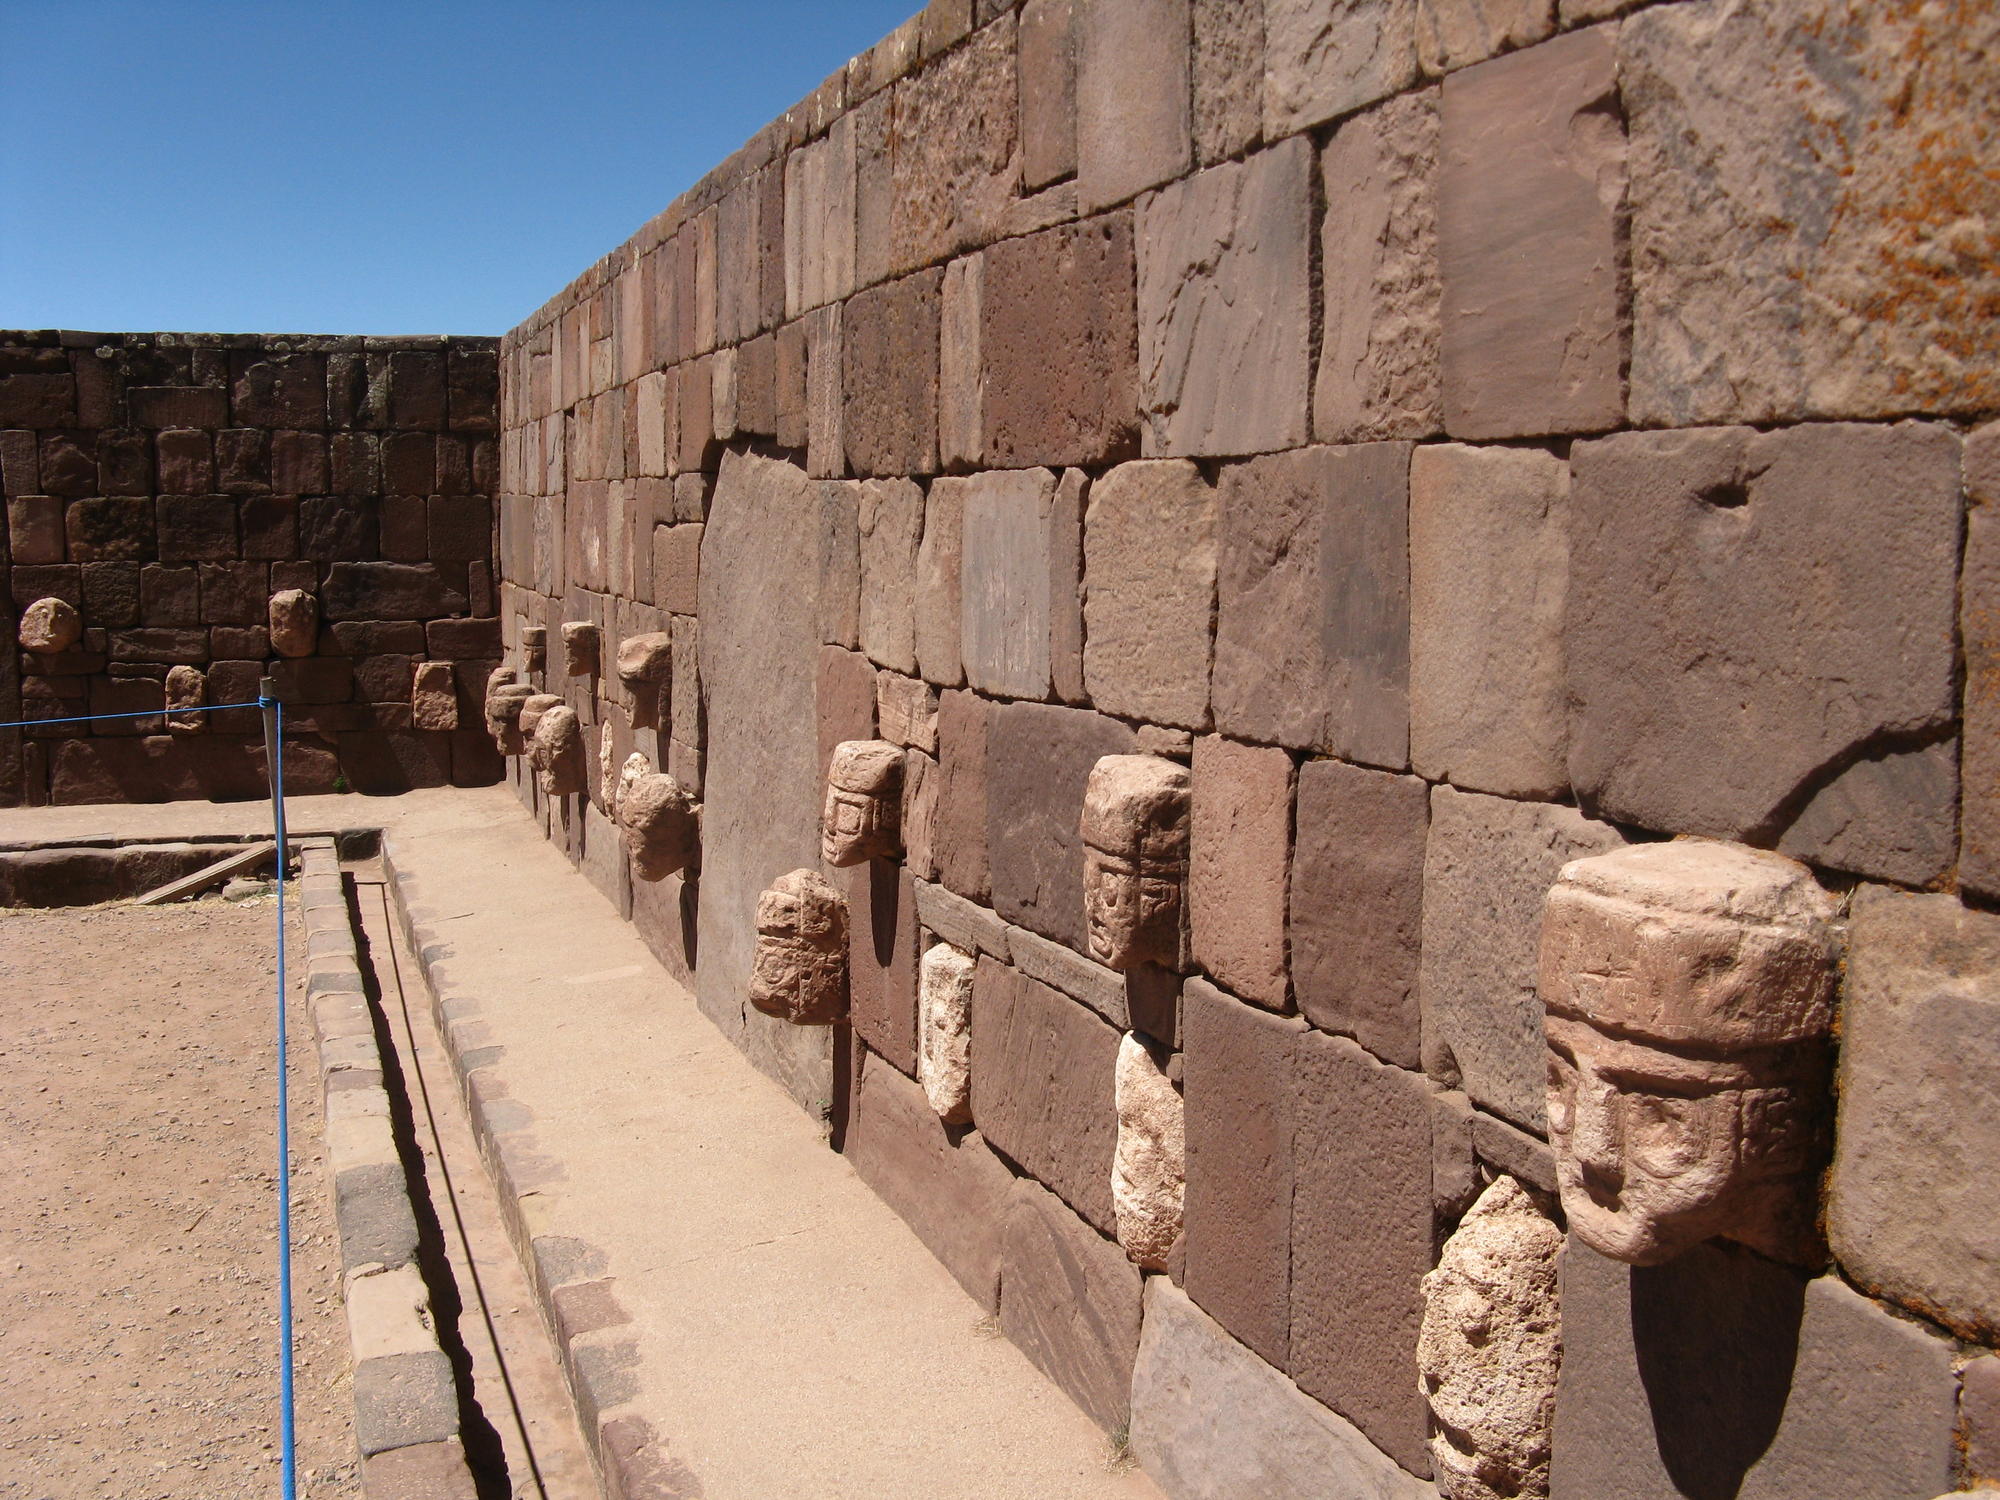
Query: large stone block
x=1758, y=638
x=1722, y=1373
x=890, y=378
x=1149, y=592
x=882, y=960
x=1071, y=1301
x=1357, y=901
x=1979, y=633
x=1042, y=1086
x=938, y=603
x=1824, y=153
x=961, y=375
x=844, y=699
x=1037, y=767
x=1487, y=866
x=1913, y=1205
x=819, y=222
x=1530, y=191
x=889, y=518
x=958, y=840
x=1048, y=92
x=1455, y=34
x=1240, y=851
x=1241, y=1101
x=1324, y=58
x=387, y=591
x=1489, y=553
x=957, y=157
x=1058, y=342
x=1382, y=291
x=1227, y=75
x=954, y=1195
x=1132, y=98
x=1003, y=584
x=1212, y=1421
x=1223, y=321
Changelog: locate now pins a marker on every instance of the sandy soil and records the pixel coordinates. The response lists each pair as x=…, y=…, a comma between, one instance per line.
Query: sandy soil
x=138, y=1292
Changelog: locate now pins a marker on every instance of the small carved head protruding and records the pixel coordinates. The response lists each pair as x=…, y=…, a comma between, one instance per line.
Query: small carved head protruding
x=49, y=625
x=580, y=648
x=504, y=699
x=556, y=752
x=863, y=812
x=293, y=618
x=658, y=820
x=535, y=647
x=799, y=973
x=1135, y=855
x=1688, y=989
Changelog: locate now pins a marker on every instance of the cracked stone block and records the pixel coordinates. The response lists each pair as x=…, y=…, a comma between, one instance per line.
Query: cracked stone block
x=1149, y=1167
x=1531, y=183
x=1007, y=540
x=1800, y=694
x=1132, y=104
x=1149, y=570
x=1916, y=1168
x=799, y=973
x=1223, y=321
x=1324, y=58
x=1826, y=153
x=1240, y=854
x=1382, y=292
x=944, y=1031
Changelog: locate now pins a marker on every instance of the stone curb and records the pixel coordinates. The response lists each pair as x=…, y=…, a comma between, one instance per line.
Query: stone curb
x=406, y=1417
x=574, y=1294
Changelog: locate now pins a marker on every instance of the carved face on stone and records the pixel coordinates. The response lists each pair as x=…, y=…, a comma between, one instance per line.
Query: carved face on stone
x=799, y=973
x=1688, y=989
x=862, y=815
x=658, y=822
x=503, y=715
x=1135, y=851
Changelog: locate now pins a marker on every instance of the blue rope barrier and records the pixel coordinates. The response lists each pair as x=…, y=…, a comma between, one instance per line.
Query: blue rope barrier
x=288, y=1459
x=144, y=713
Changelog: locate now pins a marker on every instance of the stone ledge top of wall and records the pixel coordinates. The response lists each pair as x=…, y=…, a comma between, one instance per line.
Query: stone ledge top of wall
x=297, y=343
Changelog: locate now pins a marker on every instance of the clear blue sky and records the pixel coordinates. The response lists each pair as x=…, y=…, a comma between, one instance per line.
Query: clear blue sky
x=363, y=166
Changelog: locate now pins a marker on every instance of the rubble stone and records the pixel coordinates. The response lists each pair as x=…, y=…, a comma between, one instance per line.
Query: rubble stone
x=944, y=1031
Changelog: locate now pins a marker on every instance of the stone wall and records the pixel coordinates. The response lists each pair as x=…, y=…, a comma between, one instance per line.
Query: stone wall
x=167, y=486
x=1468, y=438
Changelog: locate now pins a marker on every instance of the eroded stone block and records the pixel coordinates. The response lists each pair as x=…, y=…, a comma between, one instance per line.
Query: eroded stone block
x=293, y=618
x=1149, y=1167
x=1323, y=58
x=580, y=648
x=864, y=798
x=50, y=625
x=187, y=688
x=1149, y=570
x=434, y=696
x=1132, y=98
x=944, y=1031
x=799, y=972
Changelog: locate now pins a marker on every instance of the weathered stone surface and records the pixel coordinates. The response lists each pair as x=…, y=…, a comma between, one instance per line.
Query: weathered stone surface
x=1047, y=74
x=1361, y=1239
x=1979, y=632
x=1132, y=98
x=861, y=818
x=961, y=377
x=1825, y=153
x=1490, y=1348
x=1223, y=321
x=1071, y=1303
x=557, y=753
x=1212, y=1421
x=1836, y=602
x=907, y=710
x=1531, y=184
x=944, y=1031
x=659, y=822
x=890, y=379
x=1059, y=343
x=1037, y=766
x=959, y=840
x=1241, y=850
x=1356, y=906
x=882, y=961
x=1324, y=58
x=921, y=781
x=800, y=971
x=504, y=703
x=1726, y=1374
x=1149, y=569
x=1916, y=1170
x=1489, y=552
x=957, y=151
x=937, y=608
x=1003, y=587
x=1227, y=77
x=1457, y=33
x=1381, y=288
x=49, y=625
x=646, y=658
x=1135, y=851
x=890, y=523
x=387, y=591
x=1149, y=1166
x=434, y=696
x=187, y=689
x=955, y=1196
x=529, y=716
x=1241, y=1102
x=1487, y=866
x=1066, y=588
x=1979, y=1416
x=819, y=221
x=580, y=648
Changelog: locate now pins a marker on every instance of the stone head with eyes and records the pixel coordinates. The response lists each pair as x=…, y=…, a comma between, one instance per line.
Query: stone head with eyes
x=1688, y=989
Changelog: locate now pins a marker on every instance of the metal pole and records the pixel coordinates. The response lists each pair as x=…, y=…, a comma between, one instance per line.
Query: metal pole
x=274, y=739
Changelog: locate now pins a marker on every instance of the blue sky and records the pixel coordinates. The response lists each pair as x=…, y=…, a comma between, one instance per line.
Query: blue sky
x=355, y=166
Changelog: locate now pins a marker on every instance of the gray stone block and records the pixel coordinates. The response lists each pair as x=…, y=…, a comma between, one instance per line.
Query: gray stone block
x=1149, y=592
x=1132, y=98
x=371, y=1204
x=1004, y=582
x=401, y=1400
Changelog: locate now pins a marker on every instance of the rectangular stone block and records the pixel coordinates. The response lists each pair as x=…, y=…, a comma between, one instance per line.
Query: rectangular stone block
x=35, y=531
x=1070, y=1301
x=844, y=694
x=1324, y=58
x=677, y=568
x=1836, y=609
x=1361, y=1240
x=819, y=221
x=961, y=374
x=957, y=157
x=1223, y=321
x=1357, y=899
x=1149, y=570
x=1040, y=756
x=1241, y=1104
x=1529, y=195
x=940, y=571
x=1047, y=92
x=1132, y=98
x=1488, y=865
x=906, y=708
x=1239, y=853
x=1042, y=1070
x=959, y=843
x=1227, y=75
x=1979, y=760
x=839, y=563
x=1489, y=556
x=826, y=414
x=890, y=378
x=1003, y=582
x=123, y=530
x=889, y=523
x=882, y=960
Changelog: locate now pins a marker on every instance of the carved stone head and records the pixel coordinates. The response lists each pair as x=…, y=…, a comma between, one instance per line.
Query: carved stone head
x=1688, y=989
x=50, y=625
x=863, y=813
x=579, y=638
x=557, y=754
x=535, y=647
x=503, y=713
x=658, y=821
x=1135, y=855
x=293, y=618
x=799, y=973
x=529, y=715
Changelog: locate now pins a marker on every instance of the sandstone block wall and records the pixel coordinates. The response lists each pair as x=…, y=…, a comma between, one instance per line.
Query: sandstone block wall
x=1471, y=437
x=167, y=485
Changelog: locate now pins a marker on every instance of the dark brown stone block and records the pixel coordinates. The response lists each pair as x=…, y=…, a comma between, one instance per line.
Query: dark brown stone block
x=381, y=763
x=409, y=463
x=182, y=646
x=186, y=462
x=169, y=595
x=382, y=679
x=269, y=526
x=20, y=464
x=472, y=389
x=37, y=399
x=298, y=463
x=405, y=528
x=338, y=529
x=463, y=640
x=1239, y=857
x=882, y=960
x=111, y=594
x=179, y=406
x=317, y=679
x=64, y=580
x=1357, y=904
x=375, y=637
x=355, y=459
x=278, y=390
x=417, y=389
x=116, y=530
x=162, y=768
x=35, y=530
x=460, y=527
x=890, y=380
x=959, y=838
x=124, y=463
x=1241, y=1100
x=69, y=464
x=376, y=591
x=235, y=593
x=243, y=461
x=1071, y=1301
x=239, y=642
x=1042, y=1071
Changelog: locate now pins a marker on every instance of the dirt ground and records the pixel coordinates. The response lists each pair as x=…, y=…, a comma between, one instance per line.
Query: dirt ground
x=138, y=1285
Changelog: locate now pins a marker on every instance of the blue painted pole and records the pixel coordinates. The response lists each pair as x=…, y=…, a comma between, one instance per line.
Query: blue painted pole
x=274, y=738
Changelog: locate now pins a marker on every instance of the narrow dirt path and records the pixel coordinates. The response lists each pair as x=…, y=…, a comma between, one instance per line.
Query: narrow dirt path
x=138, y=1266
